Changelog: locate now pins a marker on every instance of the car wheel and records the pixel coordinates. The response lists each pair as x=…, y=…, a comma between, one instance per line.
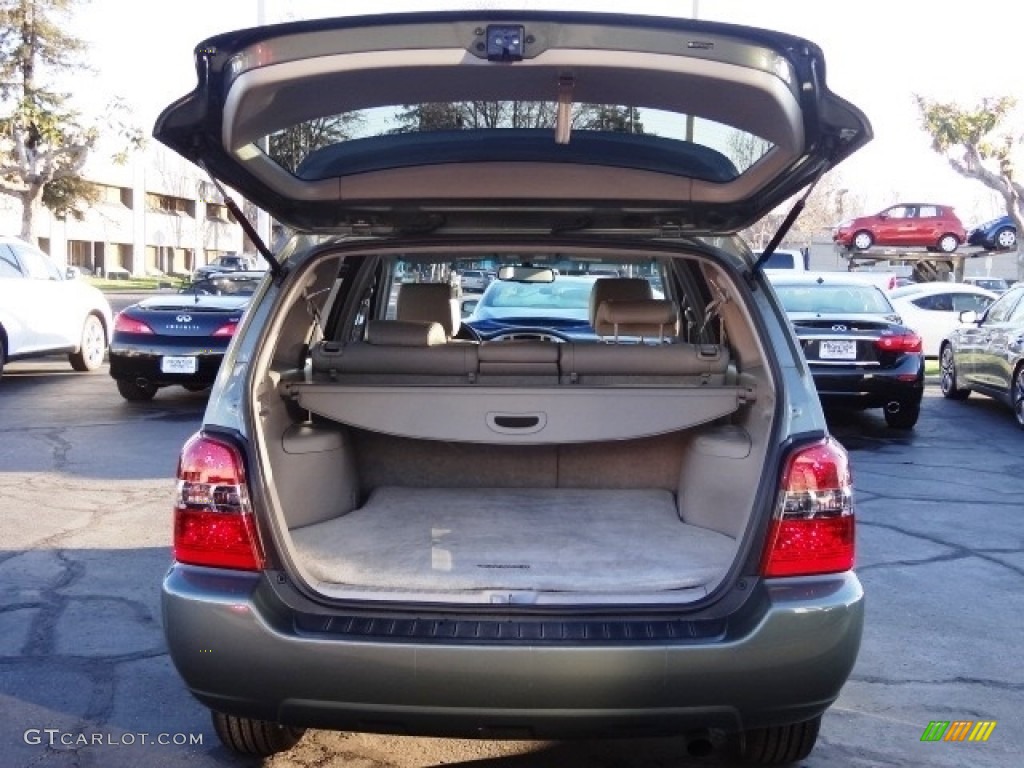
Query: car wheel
x=780, y=744
x=905, y=418
x=863, y=240
x=135, y=392
x=947, y=376
x=1005, y=239
x=254, y=737
x=89, y=356
x=948, y=243
x=1017, y=395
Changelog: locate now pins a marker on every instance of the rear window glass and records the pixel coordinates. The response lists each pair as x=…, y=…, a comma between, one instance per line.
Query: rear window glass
x=616, y=134
x=780, y=260
x=852, y=299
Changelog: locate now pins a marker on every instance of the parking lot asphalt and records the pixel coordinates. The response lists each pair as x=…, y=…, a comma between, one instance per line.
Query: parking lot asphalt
x=85, y=680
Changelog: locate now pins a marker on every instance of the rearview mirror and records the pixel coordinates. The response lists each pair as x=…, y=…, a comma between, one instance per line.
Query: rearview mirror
x=468, y=306
x=526, y=274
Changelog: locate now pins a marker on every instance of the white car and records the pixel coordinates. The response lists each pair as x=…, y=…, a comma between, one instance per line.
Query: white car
x=933, y=309
x=45, y=312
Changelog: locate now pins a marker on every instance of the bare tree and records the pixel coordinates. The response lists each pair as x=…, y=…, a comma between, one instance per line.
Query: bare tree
x=469, y=115
x=291, y=146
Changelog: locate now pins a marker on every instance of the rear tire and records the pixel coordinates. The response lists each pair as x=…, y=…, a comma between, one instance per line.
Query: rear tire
x=134, y=392
x=1005, y=239
x=863, y=240
x=905, y=418
x=254, y=737
x=947, y=376
x=93, y=345
x=948, y=243
x=780, y=744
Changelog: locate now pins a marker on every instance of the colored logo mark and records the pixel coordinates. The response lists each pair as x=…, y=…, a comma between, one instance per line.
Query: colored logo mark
x=958, y=730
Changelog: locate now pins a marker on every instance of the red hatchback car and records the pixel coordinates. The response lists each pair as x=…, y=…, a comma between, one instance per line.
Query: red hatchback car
x=926, y=225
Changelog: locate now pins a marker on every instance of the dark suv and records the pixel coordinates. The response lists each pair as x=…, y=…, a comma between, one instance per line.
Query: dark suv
x=622, y=517
x=228, y=263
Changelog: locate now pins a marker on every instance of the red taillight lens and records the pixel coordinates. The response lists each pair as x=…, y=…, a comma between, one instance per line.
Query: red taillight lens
x=124, y=324
x=813, y=527
x=228, y=329
x=213, y=521
x=906, y=342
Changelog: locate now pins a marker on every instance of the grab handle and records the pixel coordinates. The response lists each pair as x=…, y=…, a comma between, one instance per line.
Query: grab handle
x=516, y=423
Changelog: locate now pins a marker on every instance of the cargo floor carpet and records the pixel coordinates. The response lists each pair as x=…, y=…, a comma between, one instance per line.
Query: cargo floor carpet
x=544, y=539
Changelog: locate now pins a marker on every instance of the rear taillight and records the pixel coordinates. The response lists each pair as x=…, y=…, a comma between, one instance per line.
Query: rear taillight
x=213, y=521
x=125, y=324
x=904, y=342
x=812, y=529
x=228, y=329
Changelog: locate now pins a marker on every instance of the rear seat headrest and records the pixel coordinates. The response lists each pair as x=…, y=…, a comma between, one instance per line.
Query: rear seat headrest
x=617, y=289
x=648, y=318
x=429, y=303
x=400, y=333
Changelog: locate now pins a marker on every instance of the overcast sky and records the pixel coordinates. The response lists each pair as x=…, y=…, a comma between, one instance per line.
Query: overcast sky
x=878, y=53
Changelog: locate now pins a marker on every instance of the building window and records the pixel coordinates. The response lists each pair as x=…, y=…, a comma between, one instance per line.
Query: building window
x=170, y=204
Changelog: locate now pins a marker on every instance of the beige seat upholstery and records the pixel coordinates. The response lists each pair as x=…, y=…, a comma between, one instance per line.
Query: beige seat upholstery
x=396, y=348
x=429, y=303
x=615, y=289
x=644, y=356
x=507, y=361
x=646, y=318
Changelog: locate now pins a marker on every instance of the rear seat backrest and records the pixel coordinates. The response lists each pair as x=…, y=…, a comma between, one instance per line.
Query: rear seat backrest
x=635, y=362
x=398, y=348
x=429, y=303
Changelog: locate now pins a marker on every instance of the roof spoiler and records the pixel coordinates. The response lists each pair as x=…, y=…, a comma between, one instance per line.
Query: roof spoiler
x=275, y=266
x=788, y=222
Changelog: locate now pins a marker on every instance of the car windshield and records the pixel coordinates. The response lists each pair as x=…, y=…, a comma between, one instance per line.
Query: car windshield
x=226, y=285
x=833, y=299
x=567, y=296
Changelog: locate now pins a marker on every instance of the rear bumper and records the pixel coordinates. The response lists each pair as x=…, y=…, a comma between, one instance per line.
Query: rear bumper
x=131, y=362
x=239, y=652
x=871, y=388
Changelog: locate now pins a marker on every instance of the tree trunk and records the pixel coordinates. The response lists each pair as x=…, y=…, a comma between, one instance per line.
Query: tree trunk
x=28, y=208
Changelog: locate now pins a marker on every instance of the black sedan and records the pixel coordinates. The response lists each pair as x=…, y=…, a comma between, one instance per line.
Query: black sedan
x=178, y=339
x=986, y=353
x=858, y=351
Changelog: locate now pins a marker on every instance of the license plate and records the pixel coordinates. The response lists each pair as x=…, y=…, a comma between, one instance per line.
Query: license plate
x=179, y=364
x=837, y=350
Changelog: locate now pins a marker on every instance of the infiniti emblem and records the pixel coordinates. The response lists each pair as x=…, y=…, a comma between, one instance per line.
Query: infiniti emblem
x=188, y=319
x=834, y=327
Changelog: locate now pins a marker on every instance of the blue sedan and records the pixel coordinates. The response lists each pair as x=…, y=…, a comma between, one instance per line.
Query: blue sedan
x=996, y=235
